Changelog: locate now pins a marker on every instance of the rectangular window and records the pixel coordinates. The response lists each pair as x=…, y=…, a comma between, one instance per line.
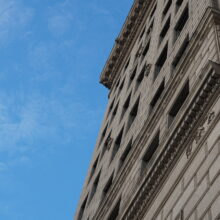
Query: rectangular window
x=117, y=83
x=133, y=114
x=150, y=28
x=161, y=60
x=93, y=168
x=95, y=186
x=151, y=148
x=106, y=144
x=142, y=33
x=178, y=4
x=153, y=11
x=82, y=209
x=103, y=134
x=114, y=112
x=164, y=30
x=132, y=76
x=122, y=85
x=140, y=77
x=157, y=96
x=146, y=49
x=115, y=212
x=178, y=103
x=167, y=7
x=110, y=107
x=181, y=23
x=127, y=64
x=125, y=154
x=180, y=52
x=117, y=144
x=107, y=186
x=125, y=106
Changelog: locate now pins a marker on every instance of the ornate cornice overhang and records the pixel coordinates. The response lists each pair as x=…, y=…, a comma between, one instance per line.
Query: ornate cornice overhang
x=210, y=86
x=123, y=42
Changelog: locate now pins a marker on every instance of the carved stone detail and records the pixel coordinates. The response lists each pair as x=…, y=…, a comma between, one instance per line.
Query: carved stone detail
x=189, y=151
x=199, y=134
x=109, y=142
x=210, y=117
x=148, y=69
x=123, y=41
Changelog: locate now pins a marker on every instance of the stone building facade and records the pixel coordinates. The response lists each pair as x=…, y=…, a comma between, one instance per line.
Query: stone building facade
x=157, y=153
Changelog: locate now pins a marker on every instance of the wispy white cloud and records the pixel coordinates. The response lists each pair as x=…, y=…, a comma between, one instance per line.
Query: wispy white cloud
x=14, y=17
x=41, y=120
x=100, y=10
x=60, y=18
x=59, y=24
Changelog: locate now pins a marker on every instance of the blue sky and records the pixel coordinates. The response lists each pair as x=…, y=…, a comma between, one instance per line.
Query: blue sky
x=51, y=104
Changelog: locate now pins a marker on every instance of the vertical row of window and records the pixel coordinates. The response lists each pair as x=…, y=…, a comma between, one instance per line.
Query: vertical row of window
x=151, y=149
x=166, y=9
x=154, y=144
x=160, y=61
x=180, y=24
x=131, y=117
x=134, y=110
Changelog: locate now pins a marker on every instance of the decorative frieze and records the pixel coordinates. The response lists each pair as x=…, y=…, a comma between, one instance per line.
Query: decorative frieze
x=151, y=181
x=201, y=132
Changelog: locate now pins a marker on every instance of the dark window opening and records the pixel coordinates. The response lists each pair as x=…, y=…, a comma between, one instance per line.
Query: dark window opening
x=153, y=11
x=114, y=112
x=115, y=212
x=178, y=4
x=146, y=49
x=138, y=54
x=161, y=60
x=165, y=30
x=125, y=153
x=132, y=76
x=82, y=209
x=127, y=64
x=110, y=107
x=122, y=85
x=103, y=134
x=117, y=84
x=157, y=96
x=125, y=106
x=142, y=33
x=152, y=148
x=133, y=114
x=181, y=23
x=178, y=103
x=180, y=52
x=95, y=186
x=150, y=28
x=106, y=144
x=167, y=7
x=108, y=186
x=94, y=168
x=117, y=144
x=140, y=77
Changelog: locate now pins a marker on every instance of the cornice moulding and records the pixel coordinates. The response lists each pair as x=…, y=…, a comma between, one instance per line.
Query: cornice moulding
x=122, y=42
